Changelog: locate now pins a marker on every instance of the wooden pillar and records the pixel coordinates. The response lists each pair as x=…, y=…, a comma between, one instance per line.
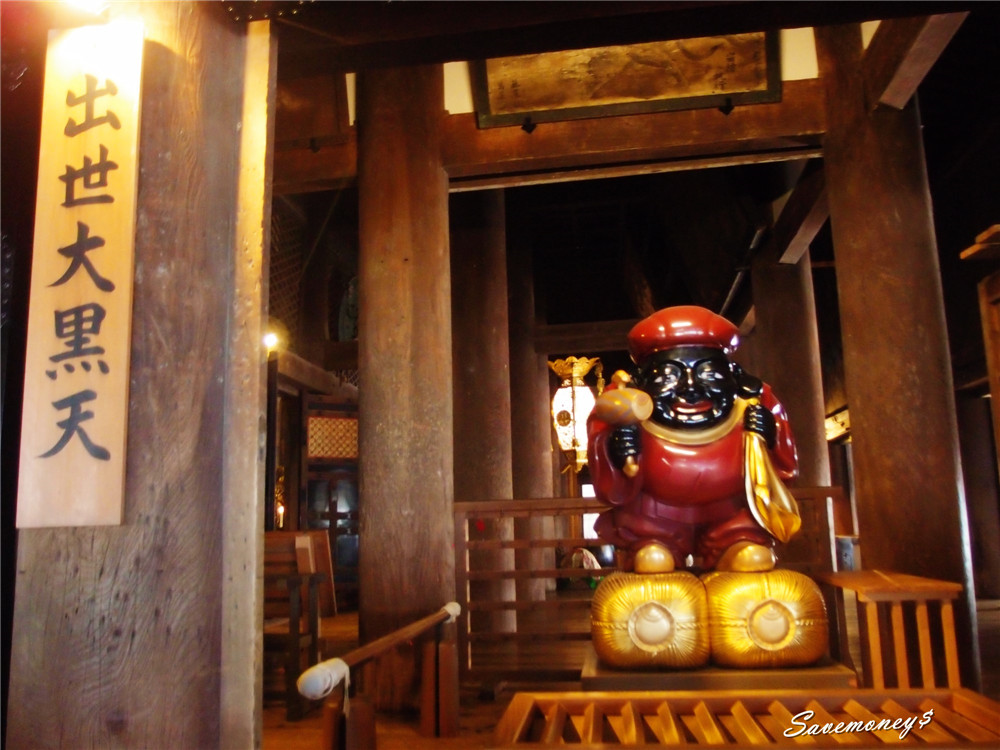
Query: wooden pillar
x=406, y=472
x=911, y=509
x=787, y=357
x=143, y=634
x=482, y=379
x=530, y=409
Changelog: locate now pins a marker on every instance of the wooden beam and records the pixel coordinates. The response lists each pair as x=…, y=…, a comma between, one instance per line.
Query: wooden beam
x=801, y=218
x=323, y=37
x=589, y=149
x=987, y=246
x=891, y=303
x=405, y=412
x=632, y=169
x=341, y=355
x=332, y=165
x=795, y=123
x=901, y=53
x=305, y=374
x=603, y=336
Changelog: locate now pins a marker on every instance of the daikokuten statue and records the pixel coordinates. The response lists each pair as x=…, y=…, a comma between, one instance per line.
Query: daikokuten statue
x=690, y=452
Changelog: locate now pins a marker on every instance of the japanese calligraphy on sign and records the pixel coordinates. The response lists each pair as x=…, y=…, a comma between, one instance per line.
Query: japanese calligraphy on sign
x=75, y=414
x=714, y=71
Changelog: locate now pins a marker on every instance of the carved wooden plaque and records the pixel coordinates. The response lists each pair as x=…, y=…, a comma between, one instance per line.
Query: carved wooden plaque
x=76, y=381
x=717, y=71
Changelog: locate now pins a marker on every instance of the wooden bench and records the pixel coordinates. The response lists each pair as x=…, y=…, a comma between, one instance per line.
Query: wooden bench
x=894, y=612
x=291, y=613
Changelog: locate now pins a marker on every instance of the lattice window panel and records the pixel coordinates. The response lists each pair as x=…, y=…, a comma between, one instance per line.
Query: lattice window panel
x=333, y=437
x=284, y=291
x=348, y=376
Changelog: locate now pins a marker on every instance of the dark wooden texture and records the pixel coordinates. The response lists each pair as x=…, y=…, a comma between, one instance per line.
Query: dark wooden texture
x=989, y=310
x=299, y=557
x=301, y=170
x=787, y=356
x=531, y=421
x=790, y=126
x=599, y=336
x=243, y=468
x=117, y=631
x=895, y=342
x=559, y=150
x=405, y=407
x=901, y=53
x=803, y=215
x=305, y=374
x=291, y=618
x=481, y=372
x=326, y=37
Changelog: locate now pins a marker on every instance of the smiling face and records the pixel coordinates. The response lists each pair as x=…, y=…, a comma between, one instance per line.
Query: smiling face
x=691, y=386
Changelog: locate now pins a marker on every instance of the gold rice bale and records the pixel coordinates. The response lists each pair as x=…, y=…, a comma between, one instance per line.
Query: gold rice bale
x=772, y=619
x=650, y=621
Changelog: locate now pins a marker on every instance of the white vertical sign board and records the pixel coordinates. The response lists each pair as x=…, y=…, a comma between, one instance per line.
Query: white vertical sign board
x=75, y=414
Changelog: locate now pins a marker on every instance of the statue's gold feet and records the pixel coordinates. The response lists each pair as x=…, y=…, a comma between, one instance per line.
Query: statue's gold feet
x=653, y=558
x=747, y=557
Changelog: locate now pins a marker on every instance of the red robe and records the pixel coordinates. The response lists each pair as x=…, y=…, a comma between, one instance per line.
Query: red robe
x=689, y=491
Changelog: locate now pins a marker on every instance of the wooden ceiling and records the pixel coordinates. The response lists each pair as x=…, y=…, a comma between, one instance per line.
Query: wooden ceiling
x=347, y=36
x=689, y=231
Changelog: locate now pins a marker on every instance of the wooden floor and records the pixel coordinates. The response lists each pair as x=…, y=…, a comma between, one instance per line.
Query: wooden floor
x=481, y=709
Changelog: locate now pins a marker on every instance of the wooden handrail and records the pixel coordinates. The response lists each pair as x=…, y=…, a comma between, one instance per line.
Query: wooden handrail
x=319, y=680
x=406, y=633
x=439, y=683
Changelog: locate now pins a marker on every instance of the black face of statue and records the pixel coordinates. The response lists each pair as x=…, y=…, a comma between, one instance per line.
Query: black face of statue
x=691, y=386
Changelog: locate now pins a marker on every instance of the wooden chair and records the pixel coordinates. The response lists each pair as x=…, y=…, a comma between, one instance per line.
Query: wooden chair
x=894, y=610
x=291, y=612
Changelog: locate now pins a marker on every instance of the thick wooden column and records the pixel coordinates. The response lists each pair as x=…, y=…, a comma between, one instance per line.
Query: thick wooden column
x=911, y=509
x=787, y=357
x=482, y=379
x=244, y=481
x=406, y=473
x=143, y=635
x=531, y=428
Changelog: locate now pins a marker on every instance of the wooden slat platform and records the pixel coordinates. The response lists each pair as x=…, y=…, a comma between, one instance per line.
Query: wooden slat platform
x=740, y=718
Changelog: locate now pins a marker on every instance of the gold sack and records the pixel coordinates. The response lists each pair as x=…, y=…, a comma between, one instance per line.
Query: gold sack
x=772, y=619
x=650, y=620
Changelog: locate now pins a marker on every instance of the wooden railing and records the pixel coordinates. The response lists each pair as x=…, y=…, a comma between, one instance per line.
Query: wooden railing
x=551, y=629
x=355, y=728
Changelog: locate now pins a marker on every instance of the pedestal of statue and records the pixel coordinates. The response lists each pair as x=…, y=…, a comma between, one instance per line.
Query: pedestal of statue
x=825, y=674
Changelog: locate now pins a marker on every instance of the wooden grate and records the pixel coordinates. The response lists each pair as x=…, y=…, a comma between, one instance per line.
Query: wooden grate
x=955, y=718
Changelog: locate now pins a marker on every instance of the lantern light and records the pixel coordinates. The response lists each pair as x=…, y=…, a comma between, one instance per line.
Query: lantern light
x=572, y=404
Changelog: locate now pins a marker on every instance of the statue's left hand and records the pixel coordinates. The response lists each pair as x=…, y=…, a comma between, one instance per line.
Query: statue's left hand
x=758, y=419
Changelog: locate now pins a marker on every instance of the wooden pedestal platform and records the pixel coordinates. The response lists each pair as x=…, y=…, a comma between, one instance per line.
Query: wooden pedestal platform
x=826, y=675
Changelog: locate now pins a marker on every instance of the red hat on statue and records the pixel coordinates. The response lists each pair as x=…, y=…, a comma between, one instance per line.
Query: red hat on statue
x=684, y=325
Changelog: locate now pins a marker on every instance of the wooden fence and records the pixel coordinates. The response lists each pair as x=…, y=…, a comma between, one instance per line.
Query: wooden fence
x=548, y=636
